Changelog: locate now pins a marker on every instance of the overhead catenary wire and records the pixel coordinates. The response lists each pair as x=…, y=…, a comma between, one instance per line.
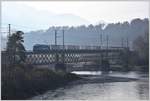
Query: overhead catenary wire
x=14, y=28
x=20, y=26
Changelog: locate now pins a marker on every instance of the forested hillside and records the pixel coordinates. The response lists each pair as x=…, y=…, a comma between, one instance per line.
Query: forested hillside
x=90, y=35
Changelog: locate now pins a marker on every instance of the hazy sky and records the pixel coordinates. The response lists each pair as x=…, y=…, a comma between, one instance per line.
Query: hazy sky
x=49, y=13
x=95, y=11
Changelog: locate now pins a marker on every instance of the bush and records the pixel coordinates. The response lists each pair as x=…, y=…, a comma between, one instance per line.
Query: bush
x=21, y=82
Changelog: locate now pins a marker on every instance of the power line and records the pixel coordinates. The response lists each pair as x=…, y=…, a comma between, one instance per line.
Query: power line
x=127, y=42
x=101, y=38
x=63, y=46
x=21, y=26
x=9, y=29
x=122, y=42
x=63, y=38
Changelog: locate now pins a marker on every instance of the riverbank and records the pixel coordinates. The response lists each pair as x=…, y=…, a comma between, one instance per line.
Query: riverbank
x=21, y=82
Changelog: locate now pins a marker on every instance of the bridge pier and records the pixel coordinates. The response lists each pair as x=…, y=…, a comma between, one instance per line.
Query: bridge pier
x=60, y=67
x=105, y=66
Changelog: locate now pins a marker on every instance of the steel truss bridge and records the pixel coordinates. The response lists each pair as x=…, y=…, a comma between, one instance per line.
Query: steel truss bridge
x=75, y=55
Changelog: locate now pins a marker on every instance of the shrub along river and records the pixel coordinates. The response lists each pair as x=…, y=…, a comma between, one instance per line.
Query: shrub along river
x=95, y=86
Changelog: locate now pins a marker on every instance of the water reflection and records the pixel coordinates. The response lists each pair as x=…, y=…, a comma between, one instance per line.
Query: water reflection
x=143, y=88
x=134, y=90
x=87, y=72
x=111, y=73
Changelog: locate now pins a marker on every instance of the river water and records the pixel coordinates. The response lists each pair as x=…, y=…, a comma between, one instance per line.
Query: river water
x=131, y=90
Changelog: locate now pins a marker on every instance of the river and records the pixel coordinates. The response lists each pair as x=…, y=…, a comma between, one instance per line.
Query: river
x=130, y=90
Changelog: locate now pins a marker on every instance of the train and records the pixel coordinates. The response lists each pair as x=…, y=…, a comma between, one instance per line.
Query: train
x=41, y=48
x=46, y=48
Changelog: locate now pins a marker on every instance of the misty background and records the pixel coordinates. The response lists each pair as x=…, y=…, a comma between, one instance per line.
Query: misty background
x=83, y=22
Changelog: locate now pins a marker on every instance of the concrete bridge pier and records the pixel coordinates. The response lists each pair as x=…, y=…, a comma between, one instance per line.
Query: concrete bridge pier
x=105, y=66
x=59, y=62
x=60, y=67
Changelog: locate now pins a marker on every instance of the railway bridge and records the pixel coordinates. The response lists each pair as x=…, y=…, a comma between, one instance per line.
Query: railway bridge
x=81, y=58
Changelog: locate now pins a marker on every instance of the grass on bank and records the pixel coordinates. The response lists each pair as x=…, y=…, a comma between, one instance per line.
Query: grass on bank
x=22, y=82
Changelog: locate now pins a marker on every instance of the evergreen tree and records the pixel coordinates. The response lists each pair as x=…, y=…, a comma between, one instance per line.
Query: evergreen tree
x=15, y=48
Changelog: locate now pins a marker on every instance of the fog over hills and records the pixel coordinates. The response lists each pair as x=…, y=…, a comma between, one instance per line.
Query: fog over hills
x=90, y=35
x=36, y=19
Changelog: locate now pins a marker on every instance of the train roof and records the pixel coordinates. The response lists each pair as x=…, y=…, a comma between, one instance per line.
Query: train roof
x=41, y=45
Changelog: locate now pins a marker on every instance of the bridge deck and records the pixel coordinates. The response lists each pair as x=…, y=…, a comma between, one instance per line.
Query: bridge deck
x=72, y=55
